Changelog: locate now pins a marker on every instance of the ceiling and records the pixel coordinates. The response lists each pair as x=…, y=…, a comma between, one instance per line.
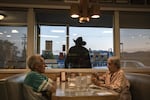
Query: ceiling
x=62, y=17
x=57, y=11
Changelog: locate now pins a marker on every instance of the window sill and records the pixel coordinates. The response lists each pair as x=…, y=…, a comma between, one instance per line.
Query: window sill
x=73, y=70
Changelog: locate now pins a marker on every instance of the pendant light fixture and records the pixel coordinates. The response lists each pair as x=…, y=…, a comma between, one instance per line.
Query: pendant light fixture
x=2, y=16
x=84, y=11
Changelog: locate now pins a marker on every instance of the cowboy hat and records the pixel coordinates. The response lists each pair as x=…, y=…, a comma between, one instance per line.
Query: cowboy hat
x=79, y=41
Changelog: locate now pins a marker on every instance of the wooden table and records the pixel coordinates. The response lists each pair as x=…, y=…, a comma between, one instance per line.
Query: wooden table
x=65, y=92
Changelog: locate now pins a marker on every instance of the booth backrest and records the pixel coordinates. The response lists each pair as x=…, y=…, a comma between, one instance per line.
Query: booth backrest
x=140, y=86
x=15, y=87
x=12, y=88
x=3, y=90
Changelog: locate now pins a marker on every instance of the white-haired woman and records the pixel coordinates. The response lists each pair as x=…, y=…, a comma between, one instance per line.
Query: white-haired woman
x=114, y=79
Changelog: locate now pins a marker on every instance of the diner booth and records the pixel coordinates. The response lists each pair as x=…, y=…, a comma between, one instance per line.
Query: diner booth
x=13, y=88
x=45, y=27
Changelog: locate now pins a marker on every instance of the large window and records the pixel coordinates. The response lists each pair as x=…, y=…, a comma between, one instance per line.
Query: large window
x=99, y=42
x=55, y=35
x=13, y=47
x=135, y=48
x=53, y=38
x=96, y=38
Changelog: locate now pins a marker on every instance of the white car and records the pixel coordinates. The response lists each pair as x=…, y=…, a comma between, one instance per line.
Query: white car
x=132, y=64
x=127, y=64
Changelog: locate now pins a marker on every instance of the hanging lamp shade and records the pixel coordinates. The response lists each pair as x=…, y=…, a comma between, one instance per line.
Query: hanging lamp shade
x=95, y=11
x=75, y=13
x=84, y=11
x=84, y=8
x=2, y=16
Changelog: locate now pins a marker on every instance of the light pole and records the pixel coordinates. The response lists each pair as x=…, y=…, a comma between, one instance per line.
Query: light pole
x=121, y=45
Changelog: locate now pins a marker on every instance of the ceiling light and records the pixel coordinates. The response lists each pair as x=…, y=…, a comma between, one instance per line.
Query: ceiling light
x=2, y=16
x=84, y=19
x=1, y=33
x=48, y=36
x=58, y=31
x=95, y=11
x=14, y=31
x=74, y=11
x=75, y=16
x=95, y=16
x=84, y=11
x=8, y=36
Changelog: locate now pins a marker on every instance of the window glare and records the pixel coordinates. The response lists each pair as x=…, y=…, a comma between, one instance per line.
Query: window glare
x=13, y=47
x=135, y=47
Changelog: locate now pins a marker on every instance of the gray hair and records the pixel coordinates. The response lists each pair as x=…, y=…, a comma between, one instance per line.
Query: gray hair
x=33, y=60
x=115, y=60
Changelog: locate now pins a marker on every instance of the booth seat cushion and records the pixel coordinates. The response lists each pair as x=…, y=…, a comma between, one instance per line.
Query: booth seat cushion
x=140, y=86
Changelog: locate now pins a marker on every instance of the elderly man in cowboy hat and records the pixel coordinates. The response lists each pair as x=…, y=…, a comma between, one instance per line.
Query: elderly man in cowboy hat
x=78, y=56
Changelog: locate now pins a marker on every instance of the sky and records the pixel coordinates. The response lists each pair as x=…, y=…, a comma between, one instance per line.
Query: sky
x=135, y=39
x=132, y=40
x=96, y=38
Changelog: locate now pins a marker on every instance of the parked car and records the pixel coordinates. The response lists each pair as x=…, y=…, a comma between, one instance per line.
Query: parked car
x=125, y=64
x=133, y=64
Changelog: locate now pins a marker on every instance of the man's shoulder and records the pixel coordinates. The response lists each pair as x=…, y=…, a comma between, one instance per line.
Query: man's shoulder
x=78, y=49
x=73, y=48
x=32, y=73
x=35, y=74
